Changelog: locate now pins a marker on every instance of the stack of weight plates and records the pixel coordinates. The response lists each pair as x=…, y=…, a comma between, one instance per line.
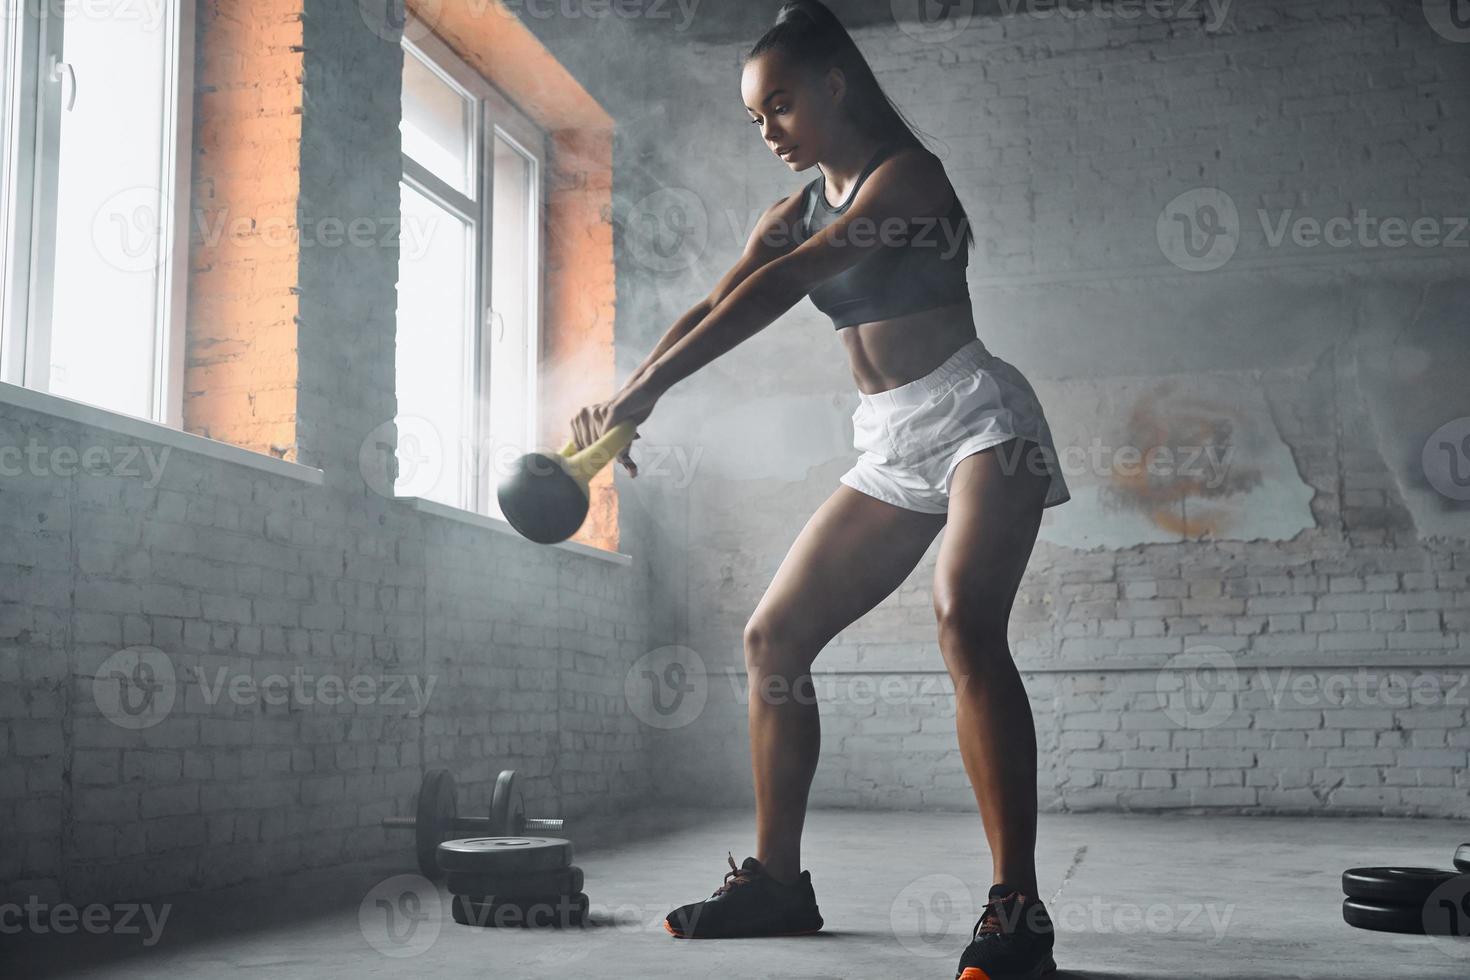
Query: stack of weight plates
x=1421, y=901
x=513, y=881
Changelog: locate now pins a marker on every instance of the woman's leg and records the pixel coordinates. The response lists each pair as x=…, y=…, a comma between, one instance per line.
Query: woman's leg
x=994, y=516
x=852, y=553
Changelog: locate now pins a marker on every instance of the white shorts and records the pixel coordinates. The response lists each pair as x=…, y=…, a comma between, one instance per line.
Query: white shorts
x=913, y=437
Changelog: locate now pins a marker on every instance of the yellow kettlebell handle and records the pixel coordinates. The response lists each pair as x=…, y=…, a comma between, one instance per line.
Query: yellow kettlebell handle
x=585, y=465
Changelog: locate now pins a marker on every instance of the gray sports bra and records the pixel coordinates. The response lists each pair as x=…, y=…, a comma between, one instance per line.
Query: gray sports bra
x=921, y=269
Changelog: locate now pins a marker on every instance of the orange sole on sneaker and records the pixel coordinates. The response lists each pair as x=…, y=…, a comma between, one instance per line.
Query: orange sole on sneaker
x=769, y=935
x=1042, y=970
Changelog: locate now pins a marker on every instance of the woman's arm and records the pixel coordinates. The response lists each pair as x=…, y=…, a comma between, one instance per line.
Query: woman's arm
x=772, y=237
x=682, y=326
x=903, y=188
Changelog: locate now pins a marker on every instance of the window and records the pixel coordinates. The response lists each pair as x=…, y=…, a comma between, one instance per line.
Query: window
x=97, y=100
x=470, y=281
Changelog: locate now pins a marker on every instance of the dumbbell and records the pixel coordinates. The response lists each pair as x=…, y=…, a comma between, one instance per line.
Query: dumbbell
x=438, y=816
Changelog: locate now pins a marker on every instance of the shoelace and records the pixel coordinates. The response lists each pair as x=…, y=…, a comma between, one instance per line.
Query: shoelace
x=991, y=916
x=735, y=876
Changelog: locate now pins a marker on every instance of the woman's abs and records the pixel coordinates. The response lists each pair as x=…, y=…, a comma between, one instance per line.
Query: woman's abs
x=889, y=353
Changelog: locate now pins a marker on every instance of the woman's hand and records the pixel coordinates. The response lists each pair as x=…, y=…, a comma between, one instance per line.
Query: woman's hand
x=629, y=405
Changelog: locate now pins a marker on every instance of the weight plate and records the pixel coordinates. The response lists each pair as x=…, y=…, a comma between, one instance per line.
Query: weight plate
x=563, y=881
x=557, y=911
x=1395, y=886
x=1462, y=857
x=508, y=806
x=434, y=819
x=1382, y=917
x=505, y=855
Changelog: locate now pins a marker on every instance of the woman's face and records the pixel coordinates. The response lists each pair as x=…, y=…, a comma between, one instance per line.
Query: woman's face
x=793, y=112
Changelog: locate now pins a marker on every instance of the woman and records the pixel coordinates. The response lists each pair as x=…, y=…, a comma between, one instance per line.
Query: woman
x=949, y=433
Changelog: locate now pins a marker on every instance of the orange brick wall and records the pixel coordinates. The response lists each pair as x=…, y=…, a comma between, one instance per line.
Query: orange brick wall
x=241, y=370
x=240, y=373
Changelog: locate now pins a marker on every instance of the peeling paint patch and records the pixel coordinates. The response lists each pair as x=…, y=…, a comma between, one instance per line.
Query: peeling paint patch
x=1171, y=459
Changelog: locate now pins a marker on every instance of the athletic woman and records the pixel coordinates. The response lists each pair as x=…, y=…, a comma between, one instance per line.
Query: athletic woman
x=949, y=434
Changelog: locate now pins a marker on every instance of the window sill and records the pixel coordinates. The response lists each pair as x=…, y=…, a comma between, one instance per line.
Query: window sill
x=81, y=413
x=496, y=524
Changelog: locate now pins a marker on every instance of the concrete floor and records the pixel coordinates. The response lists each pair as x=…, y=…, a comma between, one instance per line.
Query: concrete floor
x=1133, y=896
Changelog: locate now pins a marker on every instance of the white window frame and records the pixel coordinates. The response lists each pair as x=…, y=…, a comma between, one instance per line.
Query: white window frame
x=38, y=83
x=496, y=117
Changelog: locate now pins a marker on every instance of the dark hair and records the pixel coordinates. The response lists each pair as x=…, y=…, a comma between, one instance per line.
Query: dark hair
x=809, y=34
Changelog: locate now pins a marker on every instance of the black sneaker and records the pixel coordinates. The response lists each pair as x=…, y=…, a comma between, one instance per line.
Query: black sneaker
x=749, y=903
x=1012, y=940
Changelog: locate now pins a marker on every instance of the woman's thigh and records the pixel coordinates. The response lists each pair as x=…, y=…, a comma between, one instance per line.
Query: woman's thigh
x=994, y=516
x=852, y=553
